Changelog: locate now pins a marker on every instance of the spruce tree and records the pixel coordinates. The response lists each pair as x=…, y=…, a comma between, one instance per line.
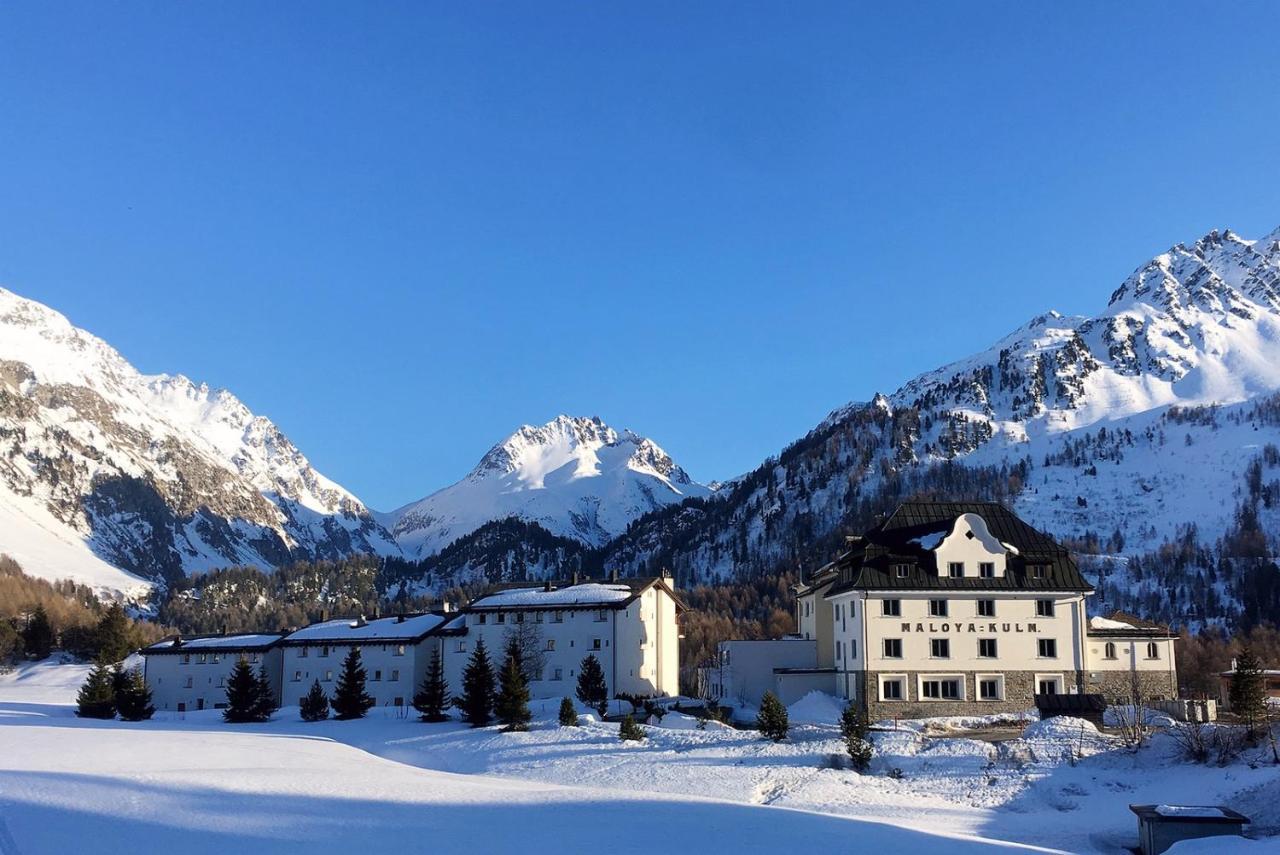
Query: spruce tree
x=133, y=696
x=112, y=635
x=477, y=698
x=772, y=720
x=242, y=694
x=1248, y=688
x=432, y=699
x=568, y=713
x=855, y=726
x=37, y=638
x=350, y=700
x=592, y=689
x=512, y=703
x=629, y=731
x=97, y=697
x=314, y=705
x=265, y=703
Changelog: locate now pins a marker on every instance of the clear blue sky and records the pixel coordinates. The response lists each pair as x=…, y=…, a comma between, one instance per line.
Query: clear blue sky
x=401, y=230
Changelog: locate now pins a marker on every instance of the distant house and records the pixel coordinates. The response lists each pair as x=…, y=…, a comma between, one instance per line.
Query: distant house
x=191, y=673
x=629, y=625
x=395, y=653
x=1270, y=683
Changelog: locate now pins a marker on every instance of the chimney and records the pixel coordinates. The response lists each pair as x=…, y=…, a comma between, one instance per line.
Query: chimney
x=360, y=621
x=574, y=579
x=546, y=586
x=177, y=640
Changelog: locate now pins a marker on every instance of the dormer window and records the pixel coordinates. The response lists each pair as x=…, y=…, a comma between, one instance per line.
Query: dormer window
x=901, y=571
x=1037, y=571
x=955, y=569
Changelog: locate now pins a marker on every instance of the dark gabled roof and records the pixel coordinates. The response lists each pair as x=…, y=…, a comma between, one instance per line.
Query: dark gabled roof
x=869, y=564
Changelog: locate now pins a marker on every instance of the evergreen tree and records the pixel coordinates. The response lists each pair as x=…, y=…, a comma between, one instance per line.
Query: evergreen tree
x=97, y=697
x=432, y=698
x=512, y=703
x=242, y=694
x=772, y=720
x=568, y=714
x=629, y=731
x=1248, y=687
x=350, y=700
x=477, y=698
x=265, y=703
x=133, y=696
x=314, y=706
x=855, y=726
x=38, y=636
x=112, y=635
x=592, y=689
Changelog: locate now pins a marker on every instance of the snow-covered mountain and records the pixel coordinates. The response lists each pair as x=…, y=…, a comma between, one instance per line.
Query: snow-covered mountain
x=118, y=478
x=575, y=477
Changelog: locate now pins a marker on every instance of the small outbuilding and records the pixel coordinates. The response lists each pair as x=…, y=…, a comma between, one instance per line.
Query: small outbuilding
x=1088, y=707
x=1161, y=826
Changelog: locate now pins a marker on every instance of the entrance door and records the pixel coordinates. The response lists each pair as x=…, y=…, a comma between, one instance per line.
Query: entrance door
x=199, y=703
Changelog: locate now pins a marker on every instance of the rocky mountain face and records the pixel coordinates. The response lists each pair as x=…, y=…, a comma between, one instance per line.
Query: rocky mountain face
x=102, y=467
x=574, y=477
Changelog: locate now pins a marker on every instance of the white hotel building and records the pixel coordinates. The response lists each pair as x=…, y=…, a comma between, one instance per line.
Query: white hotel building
x=951, y=608
x=629, y=625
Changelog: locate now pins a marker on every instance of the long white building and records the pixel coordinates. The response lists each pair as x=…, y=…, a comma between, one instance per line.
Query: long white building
x=629, y=625
x=957, y=608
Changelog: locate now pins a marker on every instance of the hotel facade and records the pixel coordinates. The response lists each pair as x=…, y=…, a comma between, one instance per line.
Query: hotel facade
x=953, y=609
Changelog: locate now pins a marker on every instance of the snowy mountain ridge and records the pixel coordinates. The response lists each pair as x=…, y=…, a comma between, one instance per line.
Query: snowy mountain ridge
x=151, y=474
x=576, y=477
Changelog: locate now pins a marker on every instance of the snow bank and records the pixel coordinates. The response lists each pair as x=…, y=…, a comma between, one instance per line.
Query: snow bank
x=1060, y=727
x=816, y=708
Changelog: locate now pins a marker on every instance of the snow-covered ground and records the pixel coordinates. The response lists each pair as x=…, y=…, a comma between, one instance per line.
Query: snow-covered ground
x=194, y=784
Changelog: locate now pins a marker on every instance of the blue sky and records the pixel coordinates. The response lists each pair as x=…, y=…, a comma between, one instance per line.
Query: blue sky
x=401, y=230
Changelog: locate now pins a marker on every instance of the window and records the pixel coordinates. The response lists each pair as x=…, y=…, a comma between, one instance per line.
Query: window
x=989, y=689
x=987, y=569
x=1044, y=608
x=328, y=676
x=519, y=617
x=324, y=652
x=1153, y=650
x=222, y=682
x=537, y=617
x=892, y=648
x=602, y=615
x=940, y=648
x=902, y=570
x=839, y=649
x=187, y=685
x=940, y=690
x=853, y=649
x=986, y=648
x=937, y=608
x=955, y=569
x=1048, y=685
x=395, y=674
x=377, y=675
x=216, y=659
x=462, y=647
x=558, y=617
x=891, y=608
x=1037, y=571
x=1047, y=648
x=399, y=649
x=891, y=689
x=502, y=617
x=557, y=674
x=551, y=644
x=482, y=618
x=595, y=644
x=297, y=676
x=1109, y=650
x=186, y=659
x=302, y=652
x=203, y=659
x=986, y=608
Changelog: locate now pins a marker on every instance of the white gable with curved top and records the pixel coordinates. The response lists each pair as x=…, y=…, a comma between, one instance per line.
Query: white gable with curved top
x=971, y=544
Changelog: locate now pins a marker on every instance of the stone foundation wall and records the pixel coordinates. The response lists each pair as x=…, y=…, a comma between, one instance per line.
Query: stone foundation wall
x=1116, y=686
x=1019, y=695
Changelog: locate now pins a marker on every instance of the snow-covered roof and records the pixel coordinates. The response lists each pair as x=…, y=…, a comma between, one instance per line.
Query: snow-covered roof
x=379, y=629
x=586, y=594
x=241, y=641
x=1105, y=623
x=1201, y=811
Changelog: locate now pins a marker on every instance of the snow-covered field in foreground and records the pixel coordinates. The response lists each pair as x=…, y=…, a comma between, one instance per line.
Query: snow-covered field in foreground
x=197, y=785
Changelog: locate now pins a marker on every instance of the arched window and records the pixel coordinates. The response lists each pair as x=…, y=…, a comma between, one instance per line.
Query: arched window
x=1153, y=650
x=1110, y=650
